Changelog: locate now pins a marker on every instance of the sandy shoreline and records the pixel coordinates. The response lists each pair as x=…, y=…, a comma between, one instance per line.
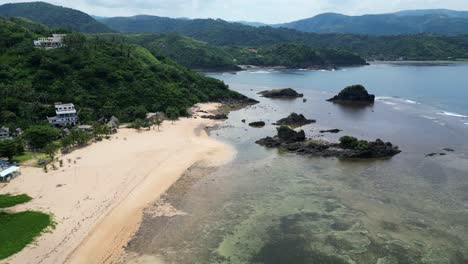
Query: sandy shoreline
x=98, y=201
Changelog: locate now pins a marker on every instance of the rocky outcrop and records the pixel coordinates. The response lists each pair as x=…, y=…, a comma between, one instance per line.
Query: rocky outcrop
x=353, y=94
x=294, y=120
x=349, y=147
x=257, y=124
x=281, y=93
x=334, y=131
x=215, y=117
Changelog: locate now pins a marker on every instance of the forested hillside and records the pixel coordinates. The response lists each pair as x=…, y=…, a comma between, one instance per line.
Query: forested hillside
x=101, y=77
x=54, y=16
x=403, y=23
x=294, y=56
x=186, y=51
x=222, y=33
x=202, y=56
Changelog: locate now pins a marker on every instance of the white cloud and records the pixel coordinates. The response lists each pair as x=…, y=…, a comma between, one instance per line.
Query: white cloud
x=271, y=11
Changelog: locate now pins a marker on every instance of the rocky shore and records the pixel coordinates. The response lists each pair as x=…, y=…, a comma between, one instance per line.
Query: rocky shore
x=353, y=94
x=285, y=93
x=294, y=120
x=349, y=147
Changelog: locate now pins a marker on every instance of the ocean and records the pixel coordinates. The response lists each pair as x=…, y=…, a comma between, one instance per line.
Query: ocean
x=271, y=207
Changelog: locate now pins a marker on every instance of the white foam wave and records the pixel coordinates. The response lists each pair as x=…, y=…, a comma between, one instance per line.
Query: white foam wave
x=411, y=101
x=429, y=117
x=452, y=114
x=260, y=72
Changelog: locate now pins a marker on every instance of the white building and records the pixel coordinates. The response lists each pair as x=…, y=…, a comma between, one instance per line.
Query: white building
x=65, y=115
x=4, y=132
x=8, y=171
x=56, y=41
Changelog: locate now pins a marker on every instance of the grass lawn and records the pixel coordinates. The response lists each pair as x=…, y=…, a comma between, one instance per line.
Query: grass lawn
x=29, y=156
x=19, y=229
x=7, y=200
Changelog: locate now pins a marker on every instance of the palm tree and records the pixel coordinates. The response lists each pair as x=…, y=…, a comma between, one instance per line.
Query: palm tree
x=158, y=122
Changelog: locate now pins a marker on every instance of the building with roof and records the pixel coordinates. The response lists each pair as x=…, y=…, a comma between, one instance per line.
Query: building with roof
x=66, y=115
x=8, y=171
x=4, y=132
x=56, y=41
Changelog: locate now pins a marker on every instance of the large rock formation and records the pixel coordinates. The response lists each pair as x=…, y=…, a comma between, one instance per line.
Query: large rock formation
x=281, y=93
x=294, y=120
x=257, y=124
x=353, y=94
x=349, y=147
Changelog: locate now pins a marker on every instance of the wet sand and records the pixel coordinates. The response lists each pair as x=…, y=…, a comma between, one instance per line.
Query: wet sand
x=98, y=196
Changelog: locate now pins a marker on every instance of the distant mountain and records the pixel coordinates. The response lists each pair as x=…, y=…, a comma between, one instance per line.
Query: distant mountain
x=423, y=12
x=439, y=21
x=54, y=16
x=252, y=24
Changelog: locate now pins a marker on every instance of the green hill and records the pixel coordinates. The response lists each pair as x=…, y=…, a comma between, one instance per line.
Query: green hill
x=294, y=56
x=186, y=51
x=54, y=16
x=402, y=23
x=202, y=56
x=222, y=33
x=101, y=77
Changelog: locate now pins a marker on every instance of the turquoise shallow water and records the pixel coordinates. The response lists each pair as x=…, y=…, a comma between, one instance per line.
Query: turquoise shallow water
x=273, y=207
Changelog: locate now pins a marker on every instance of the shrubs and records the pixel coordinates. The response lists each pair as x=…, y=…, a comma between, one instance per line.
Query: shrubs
x=348, y=142
x=11, y=147
x=41, y=135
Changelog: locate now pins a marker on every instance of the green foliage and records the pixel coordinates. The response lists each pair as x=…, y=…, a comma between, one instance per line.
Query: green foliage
x=294, y=56
x=353, y=90
x=383, y=24
x=78, y=138
x=54, y=16
x=349, y=142
x=140, y=123
x=186, y=51
x=222, y=33
x=158, y=122
x=172, y=113
x=40, y=136
x=20, y=229
x=51, y=149
x=11, y=147
x=102, y=76
x=7, y=200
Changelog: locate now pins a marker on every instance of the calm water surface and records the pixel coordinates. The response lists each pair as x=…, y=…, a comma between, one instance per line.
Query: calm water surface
x=272, y=207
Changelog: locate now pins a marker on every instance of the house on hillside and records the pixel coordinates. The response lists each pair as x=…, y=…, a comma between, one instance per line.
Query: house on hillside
x=66, y=115
x=4, y=132
x=56, y=41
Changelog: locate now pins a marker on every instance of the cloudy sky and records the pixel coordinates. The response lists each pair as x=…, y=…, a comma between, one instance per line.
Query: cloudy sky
x=269, y=11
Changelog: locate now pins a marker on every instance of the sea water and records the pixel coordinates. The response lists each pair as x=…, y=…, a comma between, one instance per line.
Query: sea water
x=273, y=207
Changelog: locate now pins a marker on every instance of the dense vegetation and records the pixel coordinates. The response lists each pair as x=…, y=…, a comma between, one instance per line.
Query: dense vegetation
x=294, y=56
x=54, y=16
x=200, y=55
x=443, y=22
x=19, y=229
x=222, y=33
x=7, y=200
x=101, y=76
x=186, y=51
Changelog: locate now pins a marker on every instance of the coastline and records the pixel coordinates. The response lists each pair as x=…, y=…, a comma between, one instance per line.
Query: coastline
x=98, y=197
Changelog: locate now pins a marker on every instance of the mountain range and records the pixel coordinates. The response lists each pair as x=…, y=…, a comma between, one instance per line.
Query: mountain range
x=205, y=34
x=437, y=21
x=54, y=16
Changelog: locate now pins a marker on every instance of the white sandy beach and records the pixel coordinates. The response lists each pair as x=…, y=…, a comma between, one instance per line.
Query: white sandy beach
x=97, y=203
